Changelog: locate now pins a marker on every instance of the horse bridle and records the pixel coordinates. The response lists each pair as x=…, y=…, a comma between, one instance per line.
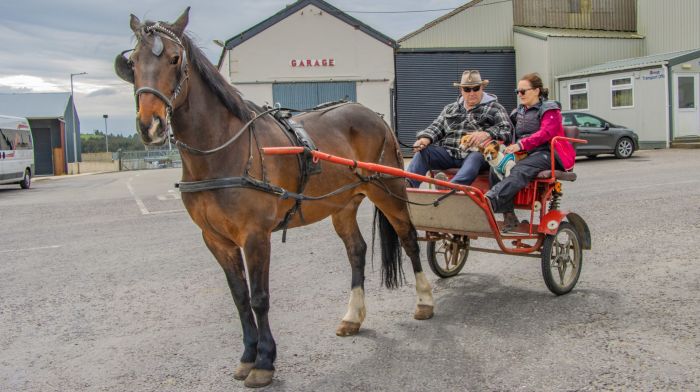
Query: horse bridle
x=158, y=31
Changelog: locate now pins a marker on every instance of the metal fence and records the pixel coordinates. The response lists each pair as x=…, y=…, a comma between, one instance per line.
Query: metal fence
x=150, y=159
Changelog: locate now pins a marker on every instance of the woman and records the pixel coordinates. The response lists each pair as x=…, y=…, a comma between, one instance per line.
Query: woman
x=537, y=121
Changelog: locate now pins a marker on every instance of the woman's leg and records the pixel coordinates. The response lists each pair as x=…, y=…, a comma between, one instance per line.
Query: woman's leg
x=501, y=194
x=430, y=158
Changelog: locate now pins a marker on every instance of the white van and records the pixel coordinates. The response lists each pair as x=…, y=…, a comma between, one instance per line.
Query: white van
x=16, y=151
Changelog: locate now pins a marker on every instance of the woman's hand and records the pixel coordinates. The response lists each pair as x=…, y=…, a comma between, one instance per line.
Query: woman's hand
x=513, y=148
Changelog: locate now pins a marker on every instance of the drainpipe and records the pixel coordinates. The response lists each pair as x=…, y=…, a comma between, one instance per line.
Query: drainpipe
x=669, y=85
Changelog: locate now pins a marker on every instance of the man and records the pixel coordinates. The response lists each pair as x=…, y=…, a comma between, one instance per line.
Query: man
x=476, y=112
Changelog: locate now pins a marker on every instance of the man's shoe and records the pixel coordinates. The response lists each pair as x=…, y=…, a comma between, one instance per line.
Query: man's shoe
x=442, y=177
x=510, y=222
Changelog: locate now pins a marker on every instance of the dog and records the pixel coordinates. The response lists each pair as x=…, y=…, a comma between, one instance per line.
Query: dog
x=493, y=153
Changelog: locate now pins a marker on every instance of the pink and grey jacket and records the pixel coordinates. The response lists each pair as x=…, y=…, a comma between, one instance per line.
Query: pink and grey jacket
x=550, y=125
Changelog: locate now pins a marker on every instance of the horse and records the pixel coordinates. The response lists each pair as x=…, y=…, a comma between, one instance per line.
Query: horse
x=238, y=195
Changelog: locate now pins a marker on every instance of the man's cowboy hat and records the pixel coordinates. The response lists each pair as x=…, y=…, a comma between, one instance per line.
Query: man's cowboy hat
x=470, y=79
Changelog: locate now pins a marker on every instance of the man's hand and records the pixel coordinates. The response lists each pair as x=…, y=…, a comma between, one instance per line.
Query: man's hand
x=477, y=138
x=421, y=144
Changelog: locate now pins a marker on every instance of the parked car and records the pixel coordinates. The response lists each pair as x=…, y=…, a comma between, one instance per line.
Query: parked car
x=603, y=136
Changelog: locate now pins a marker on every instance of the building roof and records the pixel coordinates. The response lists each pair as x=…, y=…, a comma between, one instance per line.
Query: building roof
x=35, y=105
x=293, y=8
x=440, y=19
x=544, y=32
x=672, y=58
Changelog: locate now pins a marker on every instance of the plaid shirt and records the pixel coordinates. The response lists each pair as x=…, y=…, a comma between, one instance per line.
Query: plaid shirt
x=456, y=121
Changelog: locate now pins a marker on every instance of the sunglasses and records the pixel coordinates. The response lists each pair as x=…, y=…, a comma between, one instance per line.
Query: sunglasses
x=470, y=89
x=522, y=91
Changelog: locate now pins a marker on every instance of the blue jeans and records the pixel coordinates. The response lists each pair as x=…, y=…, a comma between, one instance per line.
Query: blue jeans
x=438, y=158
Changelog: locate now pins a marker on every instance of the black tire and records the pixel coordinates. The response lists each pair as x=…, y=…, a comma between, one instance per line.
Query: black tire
x=448, y=256
x=26, y=181
x=592, y=156
x=562, y=256
x=624, y=148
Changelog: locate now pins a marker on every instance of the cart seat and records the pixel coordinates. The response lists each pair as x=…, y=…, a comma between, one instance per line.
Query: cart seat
x=558, y=174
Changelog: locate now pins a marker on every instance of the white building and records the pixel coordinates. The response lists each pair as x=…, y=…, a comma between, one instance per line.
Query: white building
x=310, y=53
x=655, y=95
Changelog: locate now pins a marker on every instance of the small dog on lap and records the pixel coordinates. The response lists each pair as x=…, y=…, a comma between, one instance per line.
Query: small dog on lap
x=493, y=153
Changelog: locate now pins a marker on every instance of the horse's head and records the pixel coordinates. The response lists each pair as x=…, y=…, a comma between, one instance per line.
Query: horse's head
x=158, y=69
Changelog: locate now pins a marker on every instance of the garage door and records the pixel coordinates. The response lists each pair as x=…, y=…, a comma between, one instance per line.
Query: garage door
x=43, y=161
x=424, y=84
x=310, y=94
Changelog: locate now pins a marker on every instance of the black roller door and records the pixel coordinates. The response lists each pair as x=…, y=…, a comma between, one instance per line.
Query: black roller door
x=424, y=84
x=43, y=161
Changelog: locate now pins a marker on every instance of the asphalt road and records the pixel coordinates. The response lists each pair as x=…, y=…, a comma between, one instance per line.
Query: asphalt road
x=106, y=285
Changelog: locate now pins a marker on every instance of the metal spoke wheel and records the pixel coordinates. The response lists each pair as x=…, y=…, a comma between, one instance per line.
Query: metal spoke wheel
x=561, y=259
x=447, y=255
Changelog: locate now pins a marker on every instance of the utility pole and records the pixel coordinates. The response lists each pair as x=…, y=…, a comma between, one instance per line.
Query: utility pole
x=106, y=141
x=72, y=115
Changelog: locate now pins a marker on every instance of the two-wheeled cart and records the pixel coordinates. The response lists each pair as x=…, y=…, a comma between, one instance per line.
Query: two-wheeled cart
x=452, y=216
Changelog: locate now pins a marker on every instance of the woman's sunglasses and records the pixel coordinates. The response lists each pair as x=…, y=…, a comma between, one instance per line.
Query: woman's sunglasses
x=522, y=91
x=470, y=89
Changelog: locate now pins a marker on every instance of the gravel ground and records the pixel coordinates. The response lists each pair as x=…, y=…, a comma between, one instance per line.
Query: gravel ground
x=101, y=293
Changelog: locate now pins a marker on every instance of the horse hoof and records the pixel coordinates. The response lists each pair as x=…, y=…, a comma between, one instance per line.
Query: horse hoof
x=259, y=378
x=243, y=370
x=423, y=312
x=347, y=328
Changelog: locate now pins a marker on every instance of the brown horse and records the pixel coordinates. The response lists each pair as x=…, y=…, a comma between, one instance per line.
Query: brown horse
x=220, y=135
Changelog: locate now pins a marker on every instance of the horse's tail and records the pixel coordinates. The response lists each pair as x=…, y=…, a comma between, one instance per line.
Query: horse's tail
x=392, y=271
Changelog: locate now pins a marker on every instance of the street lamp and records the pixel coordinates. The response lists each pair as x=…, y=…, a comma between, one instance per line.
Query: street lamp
x=106, y=141
x=72, y=116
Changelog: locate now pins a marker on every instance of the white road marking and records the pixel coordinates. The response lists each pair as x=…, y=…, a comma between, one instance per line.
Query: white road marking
x=30, y=249
x=139, y=203
x=170, y=196
x=144, y=211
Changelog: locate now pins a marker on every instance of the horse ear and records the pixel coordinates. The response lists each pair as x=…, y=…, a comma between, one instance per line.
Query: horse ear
x=135, y=23
x=181, y=22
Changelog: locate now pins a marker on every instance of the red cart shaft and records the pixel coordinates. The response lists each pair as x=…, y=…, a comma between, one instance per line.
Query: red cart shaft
x=375, y=168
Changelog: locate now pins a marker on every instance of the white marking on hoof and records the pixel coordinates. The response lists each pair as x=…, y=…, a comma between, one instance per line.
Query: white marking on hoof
x=424, y=291
x=356, y=307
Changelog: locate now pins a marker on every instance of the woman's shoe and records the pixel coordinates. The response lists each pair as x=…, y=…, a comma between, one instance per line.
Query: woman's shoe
x=510, y=221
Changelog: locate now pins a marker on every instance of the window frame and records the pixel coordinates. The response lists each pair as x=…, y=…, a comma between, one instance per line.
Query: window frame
x=621, y=87
x=579, y=91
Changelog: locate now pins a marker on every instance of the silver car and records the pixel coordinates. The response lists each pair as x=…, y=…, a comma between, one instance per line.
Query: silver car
x=603, y=136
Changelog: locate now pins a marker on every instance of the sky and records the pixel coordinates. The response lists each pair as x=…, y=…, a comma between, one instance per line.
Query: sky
x=43, y=42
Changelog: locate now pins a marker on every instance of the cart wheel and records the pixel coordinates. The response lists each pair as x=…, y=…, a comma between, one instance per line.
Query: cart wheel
x=447, y=256
x=561, y=259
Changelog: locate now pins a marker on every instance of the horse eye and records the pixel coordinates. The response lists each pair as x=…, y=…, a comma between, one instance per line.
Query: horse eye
x=175, y=60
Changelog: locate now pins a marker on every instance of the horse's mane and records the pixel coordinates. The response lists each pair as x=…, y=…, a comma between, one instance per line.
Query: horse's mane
x=227, y=94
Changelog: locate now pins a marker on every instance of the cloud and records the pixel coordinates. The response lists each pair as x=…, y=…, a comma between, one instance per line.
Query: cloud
x=103, y=92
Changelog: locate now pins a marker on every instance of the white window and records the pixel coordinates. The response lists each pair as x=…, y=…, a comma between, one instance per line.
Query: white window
x=578, y=96
x=622, y=93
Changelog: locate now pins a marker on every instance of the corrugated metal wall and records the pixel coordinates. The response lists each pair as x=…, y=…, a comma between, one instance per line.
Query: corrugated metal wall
x=669, y=26
x=571, y=54
x=487, y=24
x=577, y=14
x=424, y=85
x=309, y=94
